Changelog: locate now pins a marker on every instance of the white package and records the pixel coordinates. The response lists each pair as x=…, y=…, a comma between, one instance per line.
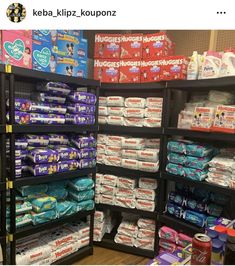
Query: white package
x=134, y=112
x=112, y=160
x=154, y=102
x=113, y=150
x=130, y=164
x=115, y=120
x=108, y=190
x=221, y=161
x=102, y=101
x=128, y=228
x=125, y=193
x=124, y=182
x=148, y=183
x=64, y=251
x=145, y=223
x=98, y=178
x=107, y=199
x=142, y=193
x=97, y=188
x=134, y=122
x=219, y=176
x=100, y=158
x=98, y=234
x=135, y=102
x=221, y=97
x=152, y=143
x=99, y=225
x=153, y=112
x=148, y=155
x=152, y=122
x=114, y=140
x=109, y=180
x=145, y=205
x=103, y=111
x=79, y=229
x=102, y=120
x=116, y=111
x=101, y=139
x=133, y=143
x=148, y=166
x=145, y=233
x=109, y=226
x=130, y=154
x=101, y=148
x=83, y=242
x=144, y=243
x=47, y=261
x=97, y=198
x=220, y=182
x=125, y=240
x=125, y=202
x=115, y=101
x=99, y=216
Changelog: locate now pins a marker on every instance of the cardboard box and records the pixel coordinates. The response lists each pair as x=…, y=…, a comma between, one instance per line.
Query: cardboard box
x=106, y=70
x=203, y=118
x=81, y=51
x=76, y=33
x=42, y=35
x=25, y=33
x=16, y=49
x=224, y=119
x=129, y=71
x=131, y=46
x=107, y=46
x=150, y=71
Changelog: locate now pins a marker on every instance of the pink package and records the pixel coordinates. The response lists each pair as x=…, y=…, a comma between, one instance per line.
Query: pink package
x=16, y=49
x=168, y=234
x=184, y=240
x=167, y=245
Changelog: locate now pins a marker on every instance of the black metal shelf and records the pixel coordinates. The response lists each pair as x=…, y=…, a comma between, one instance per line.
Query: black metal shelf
x=2, y=129
x=202, y=184
x=199, y=134
x=145, y=131
x=120, y=171
x=53, y=128
x=147, y=214
x=180, y=225
x=33, y=180
x=109, y=243
x=2, y=186
x=74, y=257
x=33, y=229
x=133, y=86
x=24, y=74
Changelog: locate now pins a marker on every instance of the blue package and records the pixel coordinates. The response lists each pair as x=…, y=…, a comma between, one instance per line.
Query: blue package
x=43, y=217
x=199, y=150
x=214, y=210
x=30, y=190
x=67, y=66
x=81, y=183
x=197, y=162
x=77, y=33
x=65, y=208
x=42, y=35
x=81, y=108
x=41, y=56
x=196, y=218
x=175, y=169
x=195, y=174
x=176, y=158
x=81, y=195
x=60, y=193
x=82, y=49
x=66, y=45
x=176, y=198
x=195, y=205
x=175, y=210
x=81, y=70
x=86, y=205
x=176, y=146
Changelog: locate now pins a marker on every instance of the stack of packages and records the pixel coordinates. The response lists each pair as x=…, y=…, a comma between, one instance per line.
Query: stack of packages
x=49, y=246
x=196, y=206
x=127, y=152
x=41, y=203
x=103, y=223
x=135, y=58
x=132, y=111
x=48, y=154
x=189, y=159
x=222, y=168
x=56, y=103
x=136, y=232
x=123, y=191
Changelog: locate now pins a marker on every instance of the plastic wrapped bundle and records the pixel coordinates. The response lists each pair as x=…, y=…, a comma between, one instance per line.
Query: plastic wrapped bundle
x=42, y=169
x=58, y=192
x=65, y=208
x=81, y=195
x=31, y=190
x=43, y=155
x=86, y=163
x=43, y=217
x=86, y=205
x=84, y=142
x=55, y=88
x=41, y=203
x=69, y=165
x=44, y=97
x=37, y=140
x=81, y=108
x=21, y=208
x=81, y=184
x=82, y=97
x=80, y=119
x=23, y=105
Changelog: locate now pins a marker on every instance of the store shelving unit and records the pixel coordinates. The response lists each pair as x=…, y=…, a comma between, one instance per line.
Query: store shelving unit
x=13, y=77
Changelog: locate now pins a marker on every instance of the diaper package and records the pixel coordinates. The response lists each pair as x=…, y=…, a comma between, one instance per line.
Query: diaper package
x=128, y=228
x=145, y=223
x=56, y=88
x=148, y=194
x=81, y=108
x=133, y=122
x=102, y=120
x=123, y=239
x=129, y=154
x=147, y=183
x=81, y=195
x=113, y=140
x=145, y=205
x=69, y=165
x=65, y=208
x=115, y=120
x=43, y=217
x=113, y=150
x=148, y=166
x=115, y=101
x=112, y=160
x=154, y=102
x=152, y=143
x=133, y=143
x=153, y=112
x=41, y=203
x=108, y=190
x=125, y=193
x=110, y=180
x=127, y=183
x=107, y=199
x=42, y=169
x=130, y=164
x=43, y=155
x=103, y=111
x=148, y=155
x=134, y=112
x=195, y=218
x=145, y=233
x=144, y=243
x=81, y=184
x=115, y=111
x=82, y=97
x=125, y=202
x=135, y=102
x=102, y=101
x=35, y=189
x=37, y=140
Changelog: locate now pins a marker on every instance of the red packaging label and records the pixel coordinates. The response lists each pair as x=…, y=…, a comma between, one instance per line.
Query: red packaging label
x=107, y=46
x=150, y=71
x=156, y=44
x=131, y=46
x=106, y=70
x=129, y=71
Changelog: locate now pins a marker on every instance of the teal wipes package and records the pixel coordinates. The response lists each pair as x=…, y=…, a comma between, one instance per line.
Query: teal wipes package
x=30, y=190
x=177, y=146
x=60, y=193
x=65, y=208
x=81, y=183
x=81, y=195
x=86, y=205
x=197, y=162
x=43, y=217
x=195, y=174
x=21, y=207
x=175, y=169
x=176, y=158
x=41, y=203
x=199, y=150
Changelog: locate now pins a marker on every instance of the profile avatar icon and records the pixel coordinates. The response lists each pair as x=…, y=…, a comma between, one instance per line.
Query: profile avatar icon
x=16, y=12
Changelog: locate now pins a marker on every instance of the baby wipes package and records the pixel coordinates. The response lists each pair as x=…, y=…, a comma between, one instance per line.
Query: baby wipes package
x=203, y=118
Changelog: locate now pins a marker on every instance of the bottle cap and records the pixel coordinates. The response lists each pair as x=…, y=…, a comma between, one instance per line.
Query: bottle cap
x=217, y=245
x=221, y=229
x=212, y=233
x=231, y=235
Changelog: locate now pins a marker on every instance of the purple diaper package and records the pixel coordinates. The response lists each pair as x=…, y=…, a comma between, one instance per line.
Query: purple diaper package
x=67, y=153
x=82, y=97
x=18, y=172
x=23, y=154
x=37, y=140
x=23, y=105
x=69, y=165
x=166, y=258
x=57, y=109
x=81, y=108
x=58, y=139
x=55, y=88
x=87, y=153
x=86, y=163
x=21, y=118
x=46, y=119
x=21, y=143
x=40, y=108
x=79, y=119
x=84, y=142
x=43, y=169
x=44, y=97
x=43, y=155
